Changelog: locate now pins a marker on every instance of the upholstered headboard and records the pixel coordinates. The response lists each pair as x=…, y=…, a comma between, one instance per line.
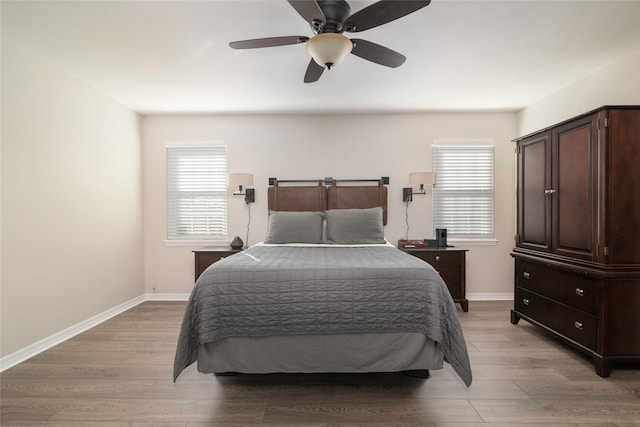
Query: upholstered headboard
x=319, y=195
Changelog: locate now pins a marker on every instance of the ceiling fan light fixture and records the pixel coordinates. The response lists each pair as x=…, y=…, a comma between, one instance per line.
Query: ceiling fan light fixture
x=328, y=49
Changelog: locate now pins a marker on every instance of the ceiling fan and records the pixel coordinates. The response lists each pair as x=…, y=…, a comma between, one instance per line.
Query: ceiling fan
x=328, y=20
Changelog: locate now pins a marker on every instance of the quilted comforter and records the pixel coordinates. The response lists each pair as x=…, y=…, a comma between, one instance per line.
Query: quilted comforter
x=274, y=290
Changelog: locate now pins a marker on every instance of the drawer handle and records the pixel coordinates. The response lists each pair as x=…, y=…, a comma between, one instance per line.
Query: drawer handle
x=578, y=325
x=525, y=301
x=580, y=292
x=437, y=257
x=526, y=275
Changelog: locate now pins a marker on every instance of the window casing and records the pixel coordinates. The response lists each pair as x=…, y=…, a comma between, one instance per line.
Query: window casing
x=463, y=196
x=196, y=192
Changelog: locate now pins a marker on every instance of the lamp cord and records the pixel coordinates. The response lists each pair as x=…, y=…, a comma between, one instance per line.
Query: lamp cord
x=406, y=218
x=248, y=225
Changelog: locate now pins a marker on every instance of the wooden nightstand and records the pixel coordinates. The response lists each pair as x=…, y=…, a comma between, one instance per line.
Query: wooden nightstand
x=206, y=256
x=450, y=263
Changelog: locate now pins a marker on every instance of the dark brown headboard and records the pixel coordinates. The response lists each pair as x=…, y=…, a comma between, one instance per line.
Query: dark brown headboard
x=297, y=198
x=318, y=197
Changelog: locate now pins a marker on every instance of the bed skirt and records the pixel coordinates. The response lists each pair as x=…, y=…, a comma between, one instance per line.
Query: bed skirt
x=321, y=353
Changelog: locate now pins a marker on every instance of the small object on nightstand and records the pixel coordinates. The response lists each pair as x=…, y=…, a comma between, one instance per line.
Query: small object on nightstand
x=402, y=243
x=236, y=243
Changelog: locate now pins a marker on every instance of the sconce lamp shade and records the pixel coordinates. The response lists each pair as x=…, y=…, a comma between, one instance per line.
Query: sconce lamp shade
x=243, y=180
x=328, y=49
x=240, y=179
x=422, y=178
x=418, y=178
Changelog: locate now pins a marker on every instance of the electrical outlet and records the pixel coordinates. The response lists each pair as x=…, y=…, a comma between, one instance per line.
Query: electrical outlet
x=154, y=288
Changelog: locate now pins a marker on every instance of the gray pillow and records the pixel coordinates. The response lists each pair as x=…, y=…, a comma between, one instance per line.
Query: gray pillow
x=355, y=226
x=295, y=227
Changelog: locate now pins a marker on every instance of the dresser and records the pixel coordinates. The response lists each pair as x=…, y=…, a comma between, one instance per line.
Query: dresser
x=577, y=243
x=450, y=264
x=206, y=256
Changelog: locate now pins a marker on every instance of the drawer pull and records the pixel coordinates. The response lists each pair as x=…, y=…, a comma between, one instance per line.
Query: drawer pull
x=578, y=325
x=437, y=257
x=526, y=275
x=525, y=301
x=580, y=292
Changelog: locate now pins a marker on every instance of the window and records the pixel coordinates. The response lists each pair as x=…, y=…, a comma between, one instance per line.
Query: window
x=463, y=196
x=196, y=192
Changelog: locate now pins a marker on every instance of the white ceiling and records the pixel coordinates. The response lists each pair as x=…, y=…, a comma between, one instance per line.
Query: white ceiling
x=173, y=56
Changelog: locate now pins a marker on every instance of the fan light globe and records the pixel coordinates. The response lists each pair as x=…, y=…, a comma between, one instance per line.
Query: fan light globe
x=328, y=49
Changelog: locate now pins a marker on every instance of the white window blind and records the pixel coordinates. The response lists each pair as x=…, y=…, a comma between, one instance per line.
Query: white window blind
x=196, y=192
x=463, y=196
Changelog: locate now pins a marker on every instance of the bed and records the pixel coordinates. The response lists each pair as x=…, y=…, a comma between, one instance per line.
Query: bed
x=324, y=292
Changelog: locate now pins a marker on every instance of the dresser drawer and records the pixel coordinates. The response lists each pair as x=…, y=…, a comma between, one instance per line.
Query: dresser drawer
x=567, y=288
x=440, y=258
x=574, y=324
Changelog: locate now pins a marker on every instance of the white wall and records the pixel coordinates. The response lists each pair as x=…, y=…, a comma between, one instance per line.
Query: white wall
x=617, y=83
x=315, y=146
x=71, y=201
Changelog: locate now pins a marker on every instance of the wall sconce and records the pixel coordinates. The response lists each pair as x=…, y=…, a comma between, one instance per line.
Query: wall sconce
x=242, y=180
x=418, y=178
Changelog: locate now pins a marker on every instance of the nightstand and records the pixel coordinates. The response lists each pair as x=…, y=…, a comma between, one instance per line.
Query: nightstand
x=450, y=263
x=206, y=256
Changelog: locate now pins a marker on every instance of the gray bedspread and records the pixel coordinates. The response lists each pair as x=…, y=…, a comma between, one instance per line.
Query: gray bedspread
x=275, y=290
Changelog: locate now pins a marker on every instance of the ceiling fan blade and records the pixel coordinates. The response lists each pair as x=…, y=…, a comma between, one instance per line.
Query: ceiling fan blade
x=314, y=71
x=268, y=42
x=376, y=53
x=308, y=9
x=382, y=12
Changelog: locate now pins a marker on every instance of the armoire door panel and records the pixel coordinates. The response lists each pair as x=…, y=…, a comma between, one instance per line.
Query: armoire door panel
x=573, y=195
x=534, y=225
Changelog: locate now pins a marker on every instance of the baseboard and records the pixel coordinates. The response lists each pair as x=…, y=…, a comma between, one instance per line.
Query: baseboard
x=59, y=337
x=166, y=297
x=490, y=296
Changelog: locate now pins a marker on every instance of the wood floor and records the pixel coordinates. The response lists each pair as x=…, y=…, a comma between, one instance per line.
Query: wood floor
x=119, y=374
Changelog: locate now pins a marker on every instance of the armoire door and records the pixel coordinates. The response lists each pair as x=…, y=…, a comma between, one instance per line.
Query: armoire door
x=534, y=179
x=574, y=191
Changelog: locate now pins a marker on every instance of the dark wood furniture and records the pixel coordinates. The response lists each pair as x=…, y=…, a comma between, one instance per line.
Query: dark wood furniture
x=450, y=263
x=577, y=251
x=331, y=194
x=206, y=256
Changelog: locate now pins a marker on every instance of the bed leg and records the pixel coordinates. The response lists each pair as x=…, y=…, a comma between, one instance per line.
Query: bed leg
x=417, y=373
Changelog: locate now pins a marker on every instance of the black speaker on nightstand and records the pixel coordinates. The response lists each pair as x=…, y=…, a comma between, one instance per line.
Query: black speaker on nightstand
x=441, y=237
